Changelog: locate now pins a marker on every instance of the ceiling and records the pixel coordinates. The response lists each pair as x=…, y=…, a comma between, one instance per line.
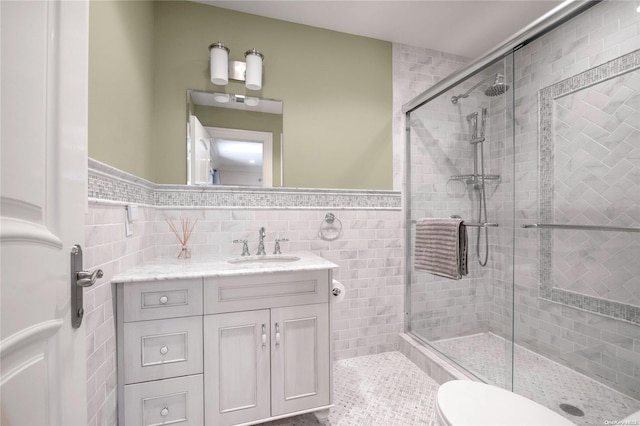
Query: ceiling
x=468, y=28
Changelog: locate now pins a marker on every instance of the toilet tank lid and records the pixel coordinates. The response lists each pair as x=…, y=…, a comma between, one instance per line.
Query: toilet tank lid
x=465, y=402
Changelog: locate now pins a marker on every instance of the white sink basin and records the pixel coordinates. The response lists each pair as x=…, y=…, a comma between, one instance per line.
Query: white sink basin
x=274, y=258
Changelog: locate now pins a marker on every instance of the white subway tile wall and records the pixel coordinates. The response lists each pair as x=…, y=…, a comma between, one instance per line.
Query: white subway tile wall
x=600, y=347
x=369, y=255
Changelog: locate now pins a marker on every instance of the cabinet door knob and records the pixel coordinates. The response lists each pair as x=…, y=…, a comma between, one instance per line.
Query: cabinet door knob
x=164, y=350
x=164, y=412
x=277, y=334
x=164, y=300
x=264, y=336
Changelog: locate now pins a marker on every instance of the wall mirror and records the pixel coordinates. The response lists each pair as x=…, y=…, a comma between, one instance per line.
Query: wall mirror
x=231, y=138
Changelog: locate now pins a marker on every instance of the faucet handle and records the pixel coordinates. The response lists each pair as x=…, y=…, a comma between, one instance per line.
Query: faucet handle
x=276, y=249
x=245, y=246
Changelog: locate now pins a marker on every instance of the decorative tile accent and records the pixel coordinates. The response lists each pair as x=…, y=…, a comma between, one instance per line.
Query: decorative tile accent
x=583, y=179
x=108, y=183
x=104, y=185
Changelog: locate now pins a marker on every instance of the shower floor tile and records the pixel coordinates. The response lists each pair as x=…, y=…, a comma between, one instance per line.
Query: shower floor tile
x=540, y=379
x=377, y=390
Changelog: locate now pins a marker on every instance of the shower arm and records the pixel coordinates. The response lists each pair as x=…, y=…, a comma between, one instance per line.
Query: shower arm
x=454, y=99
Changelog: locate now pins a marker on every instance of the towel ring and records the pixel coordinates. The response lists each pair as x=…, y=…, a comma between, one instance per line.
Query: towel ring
x=330, y=228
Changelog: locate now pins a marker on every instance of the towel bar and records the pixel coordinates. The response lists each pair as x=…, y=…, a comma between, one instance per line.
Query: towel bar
x=476, y=224
x=582, y=227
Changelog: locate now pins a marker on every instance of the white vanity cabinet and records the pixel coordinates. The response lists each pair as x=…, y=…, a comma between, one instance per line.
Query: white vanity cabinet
x=267, y=346
x=227, y=348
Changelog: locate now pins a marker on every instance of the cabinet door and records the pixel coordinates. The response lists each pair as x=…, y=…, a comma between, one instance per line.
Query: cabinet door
x=301, y=359
x=236, y=367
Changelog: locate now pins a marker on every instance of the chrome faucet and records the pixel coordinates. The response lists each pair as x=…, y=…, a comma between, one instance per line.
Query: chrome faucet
x=261, y=234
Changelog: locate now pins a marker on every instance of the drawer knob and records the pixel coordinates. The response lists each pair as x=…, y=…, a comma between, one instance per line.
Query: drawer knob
x=164, y=350
x=164, y=300
x=164, y=412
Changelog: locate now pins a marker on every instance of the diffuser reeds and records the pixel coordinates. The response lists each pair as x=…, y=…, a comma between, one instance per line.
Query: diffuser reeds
x=183, y=234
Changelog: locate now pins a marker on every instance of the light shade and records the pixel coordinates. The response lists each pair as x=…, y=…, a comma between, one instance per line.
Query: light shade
x=251, y=101
x=219, y=63
x=223, y=98
x=253, y=77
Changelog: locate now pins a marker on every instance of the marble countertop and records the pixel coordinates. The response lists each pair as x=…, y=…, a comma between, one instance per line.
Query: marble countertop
x=167, y=269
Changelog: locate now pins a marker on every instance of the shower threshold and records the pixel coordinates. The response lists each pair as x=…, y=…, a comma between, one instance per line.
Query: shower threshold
x=539, y=378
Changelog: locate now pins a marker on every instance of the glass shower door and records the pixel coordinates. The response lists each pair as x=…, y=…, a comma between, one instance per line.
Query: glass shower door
x=461, y=164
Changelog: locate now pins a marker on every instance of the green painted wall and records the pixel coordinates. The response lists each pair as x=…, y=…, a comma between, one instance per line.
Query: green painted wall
x=336, y=88
x=121, y=68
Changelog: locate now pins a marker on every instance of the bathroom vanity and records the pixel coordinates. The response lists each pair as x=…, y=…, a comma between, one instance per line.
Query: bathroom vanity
x=224, y=342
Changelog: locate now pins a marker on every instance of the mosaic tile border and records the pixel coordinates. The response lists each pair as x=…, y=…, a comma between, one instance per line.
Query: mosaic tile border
x=108, y=183
x=546, y=96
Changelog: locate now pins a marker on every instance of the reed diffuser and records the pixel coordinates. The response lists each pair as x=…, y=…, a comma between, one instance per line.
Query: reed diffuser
x=183, y=234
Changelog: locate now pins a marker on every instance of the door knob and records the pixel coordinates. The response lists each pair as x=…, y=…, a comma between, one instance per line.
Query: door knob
x=87, y=279
x=79, y=280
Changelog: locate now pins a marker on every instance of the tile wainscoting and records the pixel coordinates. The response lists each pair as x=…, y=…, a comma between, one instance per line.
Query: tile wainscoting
x=369, y=254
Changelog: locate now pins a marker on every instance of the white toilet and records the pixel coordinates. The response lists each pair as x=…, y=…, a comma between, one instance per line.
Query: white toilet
x=464, y=402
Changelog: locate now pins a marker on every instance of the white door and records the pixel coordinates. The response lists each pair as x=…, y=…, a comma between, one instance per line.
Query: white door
x=199, y=162
x=44, y=63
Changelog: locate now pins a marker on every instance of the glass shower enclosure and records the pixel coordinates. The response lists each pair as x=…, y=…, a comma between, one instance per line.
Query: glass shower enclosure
x=461, y=165
x=537, y=149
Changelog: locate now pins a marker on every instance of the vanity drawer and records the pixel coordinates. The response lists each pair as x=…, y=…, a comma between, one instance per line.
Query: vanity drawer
x=162, y=299
x=259, y=291
x=162, y=348
x=169, y=401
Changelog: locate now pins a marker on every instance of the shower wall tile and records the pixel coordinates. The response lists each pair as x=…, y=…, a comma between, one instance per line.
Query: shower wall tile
x=597, y=346
x=415, y=69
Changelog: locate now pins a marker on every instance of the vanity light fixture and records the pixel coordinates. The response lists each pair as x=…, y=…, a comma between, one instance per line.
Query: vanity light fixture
x=251, y=101
x=219, y=63
x=223, y=98
x=253, y=74
x=222, y=69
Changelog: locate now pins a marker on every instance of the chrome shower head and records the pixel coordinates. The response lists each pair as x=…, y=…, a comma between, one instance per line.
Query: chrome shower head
x=499, y=87
x=496, y=89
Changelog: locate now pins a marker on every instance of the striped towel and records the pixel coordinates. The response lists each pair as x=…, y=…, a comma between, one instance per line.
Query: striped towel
x=441, y=247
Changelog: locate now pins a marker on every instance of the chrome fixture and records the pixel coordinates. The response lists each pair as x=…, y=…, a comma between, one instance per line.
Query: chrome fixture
x=276, y=248
x=245, y=247
x=80, y=279
x=581, y=227
x=222, y=69
x=475, y=224
x=477, y=139
x=498, y=88
x=330, y=228
x=261, y=234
